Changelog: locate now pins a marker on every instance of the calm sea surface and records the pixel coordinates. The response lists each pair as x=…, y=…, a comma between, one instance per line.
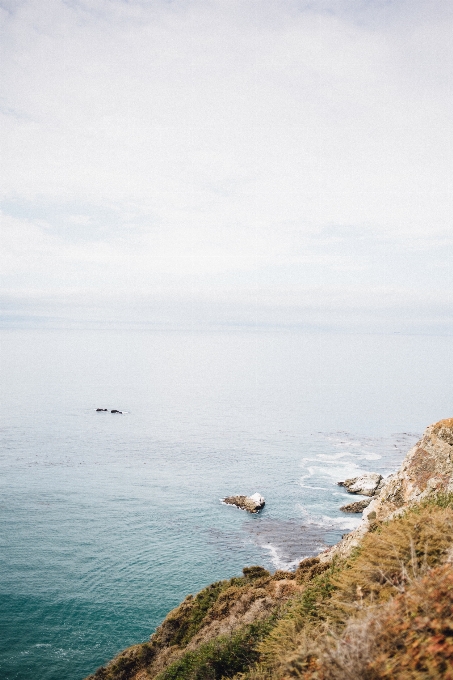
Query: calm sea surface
x=108, y=520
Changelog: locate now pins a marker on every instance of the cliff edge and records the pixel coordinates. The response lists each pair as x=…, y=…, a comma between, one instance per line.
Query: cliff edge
x=426, y=470
x=376, y=605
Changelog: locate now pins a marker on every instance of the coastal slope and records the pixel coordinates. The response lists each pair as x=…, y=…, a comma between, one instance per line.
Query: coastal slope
x=376, y=605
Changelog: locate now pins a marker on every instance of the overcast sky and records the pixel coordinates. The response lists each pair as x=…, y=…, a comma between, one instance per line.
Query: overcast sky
x=240, y=162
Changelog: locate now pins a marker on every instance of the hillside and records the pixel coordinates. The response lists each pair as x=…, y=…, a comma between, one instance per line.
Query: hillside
x=376, y=605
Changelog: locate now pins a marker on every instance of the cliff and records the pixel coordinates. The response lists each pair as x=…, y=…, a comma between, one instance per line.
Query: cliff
x=426, y=470
x=376, y=605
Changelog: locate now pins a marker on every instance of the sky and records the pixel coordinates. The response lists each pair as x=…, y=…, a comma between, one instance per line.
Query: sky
x=227, y=163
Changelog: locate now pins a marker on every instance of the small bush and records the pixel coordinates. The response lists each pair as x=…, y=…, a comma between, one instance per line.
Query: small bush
x=255, y=572
x=442, y=500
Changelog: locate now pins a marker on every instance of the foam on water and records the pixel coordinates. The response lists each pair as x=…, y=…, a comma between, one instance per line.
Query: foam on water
x=278, y=562
x=327, y=522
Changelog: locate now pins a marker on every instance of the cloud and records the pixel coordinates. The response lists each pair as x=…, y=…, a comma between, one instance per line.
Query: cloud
x=209, y=146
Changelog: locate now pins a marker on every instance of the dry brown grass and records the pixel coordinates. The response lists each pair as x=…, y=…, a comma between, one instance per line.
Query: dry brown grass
x=389, y=558
x=309, y=642
x=408, y=638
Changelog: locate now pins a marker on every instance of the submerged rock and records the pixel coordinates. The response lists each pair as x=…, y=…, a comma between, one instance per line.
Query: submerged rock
x=250, y=503
x=366, y=485
x=358, y=506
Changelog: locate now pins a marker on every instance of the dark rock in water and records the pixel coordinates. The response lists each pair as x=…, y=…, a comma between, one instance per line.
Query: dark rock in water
x=358, y=506
x=102, y=409
x=250, y=503
x=115, y=411
x=367, y=484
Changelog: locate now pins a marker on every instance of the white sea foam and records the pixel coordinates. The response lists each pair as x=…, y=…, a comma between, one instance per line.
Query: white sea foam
x=328, y=522
x=370, y=456
x=349, y=469
x=345, y=522
x=280, y=563
x=309, y=486
x=335, y=456
x=362, y=455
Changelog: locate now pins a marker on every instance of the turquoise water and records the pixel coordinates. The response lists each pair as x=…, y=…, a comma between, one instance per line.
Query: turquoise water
x=108, y=521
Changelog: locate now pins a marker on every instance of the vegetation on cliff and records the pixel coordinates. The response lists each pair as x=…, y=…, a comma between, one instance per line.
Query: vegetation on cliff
x=379, y=607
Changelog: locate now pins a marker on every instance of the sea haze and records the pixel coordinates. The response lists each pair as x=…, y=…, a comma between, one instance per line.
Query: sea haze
x=109, y=520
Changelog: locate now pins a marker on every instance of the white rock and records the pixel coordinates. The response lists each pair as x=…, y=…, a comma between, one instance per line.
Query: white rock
x=259, y=500
x=367, y=484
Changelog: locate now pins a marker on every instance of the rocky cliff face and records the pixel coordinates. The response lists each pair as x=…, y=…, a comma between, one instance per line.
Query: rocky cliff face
x=426, y=470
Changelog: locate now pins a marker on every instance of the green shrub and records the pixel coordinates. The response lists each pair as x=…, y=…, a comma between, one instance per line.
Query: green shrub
x=255, y=572
x=442, y=500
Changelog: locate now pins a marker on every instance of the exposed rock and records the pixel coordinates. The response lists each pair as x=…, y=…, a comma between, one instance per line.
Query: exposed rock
x=366, y=485
x=358, y=506
x=115, y=411
x=427, y=470
x=250, y=503
x=102, y=409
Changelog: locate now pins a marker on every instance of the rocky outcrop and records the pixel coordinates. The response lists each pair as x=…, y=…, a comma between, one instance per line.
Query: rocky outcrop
x=250, y=503
x=358, y=506
x=366, y=485
x=427, y=470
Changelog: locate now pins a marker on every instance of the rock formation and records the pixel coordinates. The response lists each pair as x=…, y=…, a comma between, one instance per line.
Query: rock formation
x=358, y=506
x=250, y=503
x=366, y=485
x=426, y=470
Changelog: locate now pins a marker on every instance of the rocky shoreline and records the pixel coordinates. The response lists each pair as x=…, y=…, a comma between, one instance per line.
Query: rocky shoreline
x=322, y=621
x=426, y=470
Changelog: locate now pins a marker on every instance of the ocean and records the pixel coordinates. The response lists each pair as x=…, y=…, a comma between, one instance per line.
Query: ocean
x=109, y=520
